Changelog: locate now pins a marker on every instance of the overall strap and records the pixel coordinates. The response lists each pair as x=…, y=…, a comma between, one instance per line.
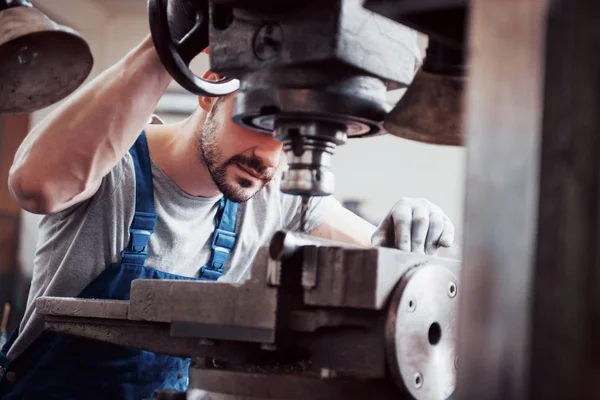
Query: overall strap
x=223, y=240
x=144, y=219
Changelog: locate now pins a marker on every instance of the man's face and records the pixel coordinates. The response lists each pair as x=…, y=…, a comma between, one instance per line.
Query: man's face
x=240, y=161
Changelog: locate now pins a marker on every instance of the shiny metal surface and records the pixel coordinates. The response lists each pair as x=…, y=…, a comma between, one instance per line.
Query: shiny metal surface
x=41, y=62
x=347, y=98
x=308, y=181
x=421, y=332
x=309, y=146
x=286, y=244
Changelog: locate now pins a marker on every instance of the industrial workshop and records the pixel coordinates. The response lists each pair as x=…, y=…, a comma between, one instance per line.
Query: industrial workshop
x=299, y=199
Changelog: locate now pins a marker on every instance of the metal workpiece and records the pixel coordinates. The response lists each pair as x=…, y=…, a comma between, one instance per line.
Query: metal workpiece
x=286, y=244
x=421, y=332
x=363, y=278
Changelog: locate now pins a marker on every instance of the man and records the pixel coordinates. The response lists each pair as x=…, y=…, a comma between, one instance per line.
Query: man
x=170, y=203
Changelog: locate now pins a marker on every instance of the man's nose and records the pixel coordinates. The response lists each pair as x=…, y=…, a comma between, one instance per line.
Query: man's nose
x=269, y=151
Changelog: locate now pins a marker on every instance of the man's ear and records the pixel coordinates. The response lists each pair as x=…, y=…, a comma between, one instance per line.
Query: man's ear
x=206, y=102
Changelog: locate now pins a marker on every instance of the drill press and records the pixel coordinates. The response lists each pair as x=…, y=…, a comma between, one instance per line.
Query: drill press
x=311, y=92
x=316, y=319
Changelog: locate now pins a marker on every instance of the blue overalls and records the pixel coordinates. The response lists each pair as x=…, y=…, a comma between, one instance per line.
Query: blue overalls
x=57, y=366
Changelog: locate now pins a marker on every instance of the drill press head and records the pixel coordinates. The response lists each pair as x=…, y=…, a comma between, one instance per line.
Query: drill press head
x=312, y=74
x=313, y=91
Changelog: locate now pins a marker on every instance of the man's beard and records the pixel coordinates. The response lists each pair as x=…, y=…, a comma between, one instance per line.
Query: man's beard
x=211, y=155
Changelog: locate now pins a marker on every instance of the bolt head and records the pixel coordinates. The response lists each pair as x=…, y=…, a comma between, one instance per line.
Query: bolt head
x=452, y=289
x=206, y=342
x=411, y=304
x=268, y=347
x=11, y=376
x=327, y=373
x=418, y=380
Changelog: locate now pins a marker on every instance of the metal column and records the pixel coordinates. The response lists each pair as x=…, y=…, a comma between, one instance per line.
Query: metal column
x=530, y=302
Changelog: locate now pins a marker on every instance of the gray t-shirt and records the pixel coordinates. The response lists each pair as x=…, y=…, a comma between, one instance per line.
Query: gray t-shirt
x=75, y=245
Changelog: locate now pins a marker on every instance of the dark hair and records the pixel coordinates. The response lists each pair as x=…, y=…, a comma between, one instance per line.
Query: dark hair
x=218, y=102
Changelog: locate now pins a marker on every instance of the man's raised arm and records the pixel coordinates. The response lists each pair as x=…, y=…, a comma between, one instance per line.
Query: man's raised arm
x=62, y=160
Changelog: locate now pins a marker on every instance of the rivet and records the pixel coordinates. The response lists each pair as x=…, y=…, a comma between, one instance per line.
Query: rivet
x=412, y=304
x=418, y=380
x=452, y=289
x=11, y=376
x=268, y=347
x=327, y=373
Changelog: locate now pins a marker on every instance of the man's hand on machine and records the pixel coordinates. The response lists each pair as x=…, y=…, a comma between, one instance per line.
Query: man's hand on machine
x=415, y=225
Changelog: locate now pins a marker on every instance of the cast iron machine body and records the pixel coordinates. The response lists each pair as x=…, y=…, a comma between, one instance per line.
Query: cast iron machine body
x=316, y=320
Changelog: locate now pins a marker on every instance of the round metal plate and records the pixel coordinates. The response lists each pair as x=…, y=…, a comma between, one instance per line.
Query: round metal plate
x=421, y=332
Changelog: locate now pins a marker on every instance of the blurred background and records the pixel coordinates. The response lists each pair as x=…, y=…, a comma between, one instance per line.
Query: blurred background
x=371, y=174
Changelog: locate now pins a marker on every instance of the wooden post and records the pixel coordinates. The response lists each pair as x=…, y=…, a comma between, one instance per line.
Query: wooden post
x=13, y=129
x=530, y=305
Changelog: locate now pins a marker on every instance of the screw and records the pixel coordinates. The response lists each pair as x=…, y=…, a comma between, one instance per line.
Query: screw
x=267, y=41
x=412, y=304
x=327, y=373
x=418, y=380
x=452, y=289
x=268, y=347
x=11, y=376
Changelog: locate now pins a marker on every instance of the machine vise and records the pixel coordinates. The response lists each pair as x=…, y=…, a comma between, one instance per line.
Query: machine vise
x=315, y=320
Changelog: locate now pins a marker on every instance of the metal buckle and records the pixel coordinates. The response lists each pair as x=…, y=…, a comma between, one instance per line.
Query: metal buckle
x=223, y=240
x=139, y=239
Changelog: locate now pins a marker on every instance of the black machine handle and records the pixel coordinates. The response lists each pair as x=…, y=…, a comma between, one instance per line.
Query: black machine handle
x=4, y=4
x=176, y=54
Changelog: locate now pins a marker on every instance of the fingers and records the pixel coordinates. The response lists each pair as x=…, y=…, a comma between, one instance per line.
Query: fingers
x=447, y=237
x=415, y=225
x=420, y=226
x=436, y=229
x=402, y=217
x=383, y=235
